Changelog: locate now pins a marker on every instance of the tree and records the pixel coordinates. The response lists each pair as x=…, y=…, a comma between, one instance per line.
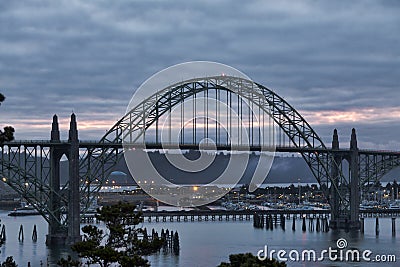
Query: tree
x=9, y=262
x=8, y=133
x=248, y=259
x=121, y=243
x=69, y=262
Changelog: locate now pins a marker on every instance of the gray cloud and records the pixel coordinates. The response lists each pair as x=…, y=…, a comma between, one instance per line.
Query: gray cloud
x=59, y=56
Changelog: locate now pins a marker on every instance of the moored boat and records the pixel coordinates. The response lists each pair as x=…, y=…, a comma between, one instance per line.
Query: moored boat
x=24, y=210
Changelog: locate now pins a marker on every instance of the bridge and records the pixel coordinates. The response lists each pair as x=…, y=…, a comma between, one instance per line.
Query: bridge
x=216, y=113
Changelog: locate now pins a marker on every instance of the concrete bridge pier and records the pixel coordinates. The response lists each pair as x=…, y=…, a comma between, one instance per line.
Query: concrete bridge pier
x=342, y=218
x=74, y=198
x=334, y=196
x=355, y=196
x=57, y=233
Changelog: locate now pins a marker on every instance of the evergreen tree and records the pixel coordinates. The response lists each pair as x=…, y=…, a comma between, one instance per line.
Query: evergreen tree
x=8, y=133
x=69, y=262
x=9, y=262
x=248, y=259
x=121, y=243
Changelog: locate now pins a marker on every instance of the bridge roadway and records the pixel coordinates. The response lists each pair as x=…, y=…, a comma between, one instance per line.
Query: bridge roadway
x=254, y=148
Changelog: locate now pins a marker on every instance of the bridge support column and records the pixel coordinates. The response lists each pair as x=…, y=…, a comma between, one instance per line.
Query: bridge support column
x=334, y=196
x=74, y=198
x=354, y=222
x=343, y=218
x=56, y=233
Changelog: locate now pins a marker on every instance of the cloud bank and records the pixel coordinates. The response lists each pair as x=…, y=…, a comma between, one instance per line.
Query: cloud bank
x=337, y=62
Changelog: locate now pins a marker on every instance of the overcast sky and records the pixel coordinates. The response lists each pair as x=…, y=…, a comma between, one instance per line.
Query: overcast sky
x=337, y=62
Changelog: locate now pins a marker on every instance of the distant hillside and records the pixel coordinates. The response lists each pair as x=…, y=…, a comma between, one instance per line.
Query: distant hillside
x=283, y=170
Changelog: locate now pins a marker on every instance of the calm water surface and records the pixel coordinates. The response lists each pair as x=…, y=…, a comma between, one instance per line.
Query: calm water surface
x=210, y=243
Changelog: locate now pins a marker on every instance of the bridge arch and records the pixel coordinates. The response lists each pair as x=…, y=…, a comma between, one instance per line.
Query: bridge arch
x=146, y=113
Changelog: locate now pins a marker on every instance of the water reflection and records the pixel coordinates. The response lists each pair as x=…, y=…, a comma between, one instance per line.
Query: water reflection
x=210, y=243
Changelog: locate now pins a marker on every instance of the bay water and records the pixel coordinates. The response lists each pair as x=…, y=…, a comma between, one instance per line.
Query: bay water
x=208, y=243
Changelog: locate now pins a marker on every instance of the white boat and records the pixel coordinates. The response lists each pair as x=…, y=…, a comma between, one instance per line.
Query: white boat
x=25, y=210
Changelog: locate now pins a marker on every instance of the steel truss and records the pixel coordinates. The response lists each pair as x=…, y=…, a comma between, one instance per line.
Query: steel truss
x=374, y=165
x=132, y=128
x=25, y=165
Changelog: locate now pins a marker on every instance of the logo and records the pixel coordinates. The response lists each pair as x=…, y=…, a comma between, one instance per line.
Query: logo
x=340, y=253
x=341, y=243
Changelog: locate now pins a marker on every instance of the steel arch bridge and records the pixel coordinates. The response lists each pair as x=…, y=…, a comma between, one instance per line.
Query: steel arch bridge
x=135, y=124
x=32, y=167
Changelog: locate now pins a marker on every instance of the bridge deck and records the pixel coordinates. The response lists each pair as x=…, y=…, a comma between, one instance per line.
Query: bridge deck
x=254, y=148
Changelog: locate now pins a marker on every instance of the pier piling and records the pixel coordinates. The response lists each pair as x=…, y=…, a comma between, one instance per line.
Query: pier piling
x=271, y=224
x=21, y=233
x=393, y=226
x=3, y=233
x=318, y=226
x=311, y=224
x=294, y=224
x=34, y=234
x=362, y=225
